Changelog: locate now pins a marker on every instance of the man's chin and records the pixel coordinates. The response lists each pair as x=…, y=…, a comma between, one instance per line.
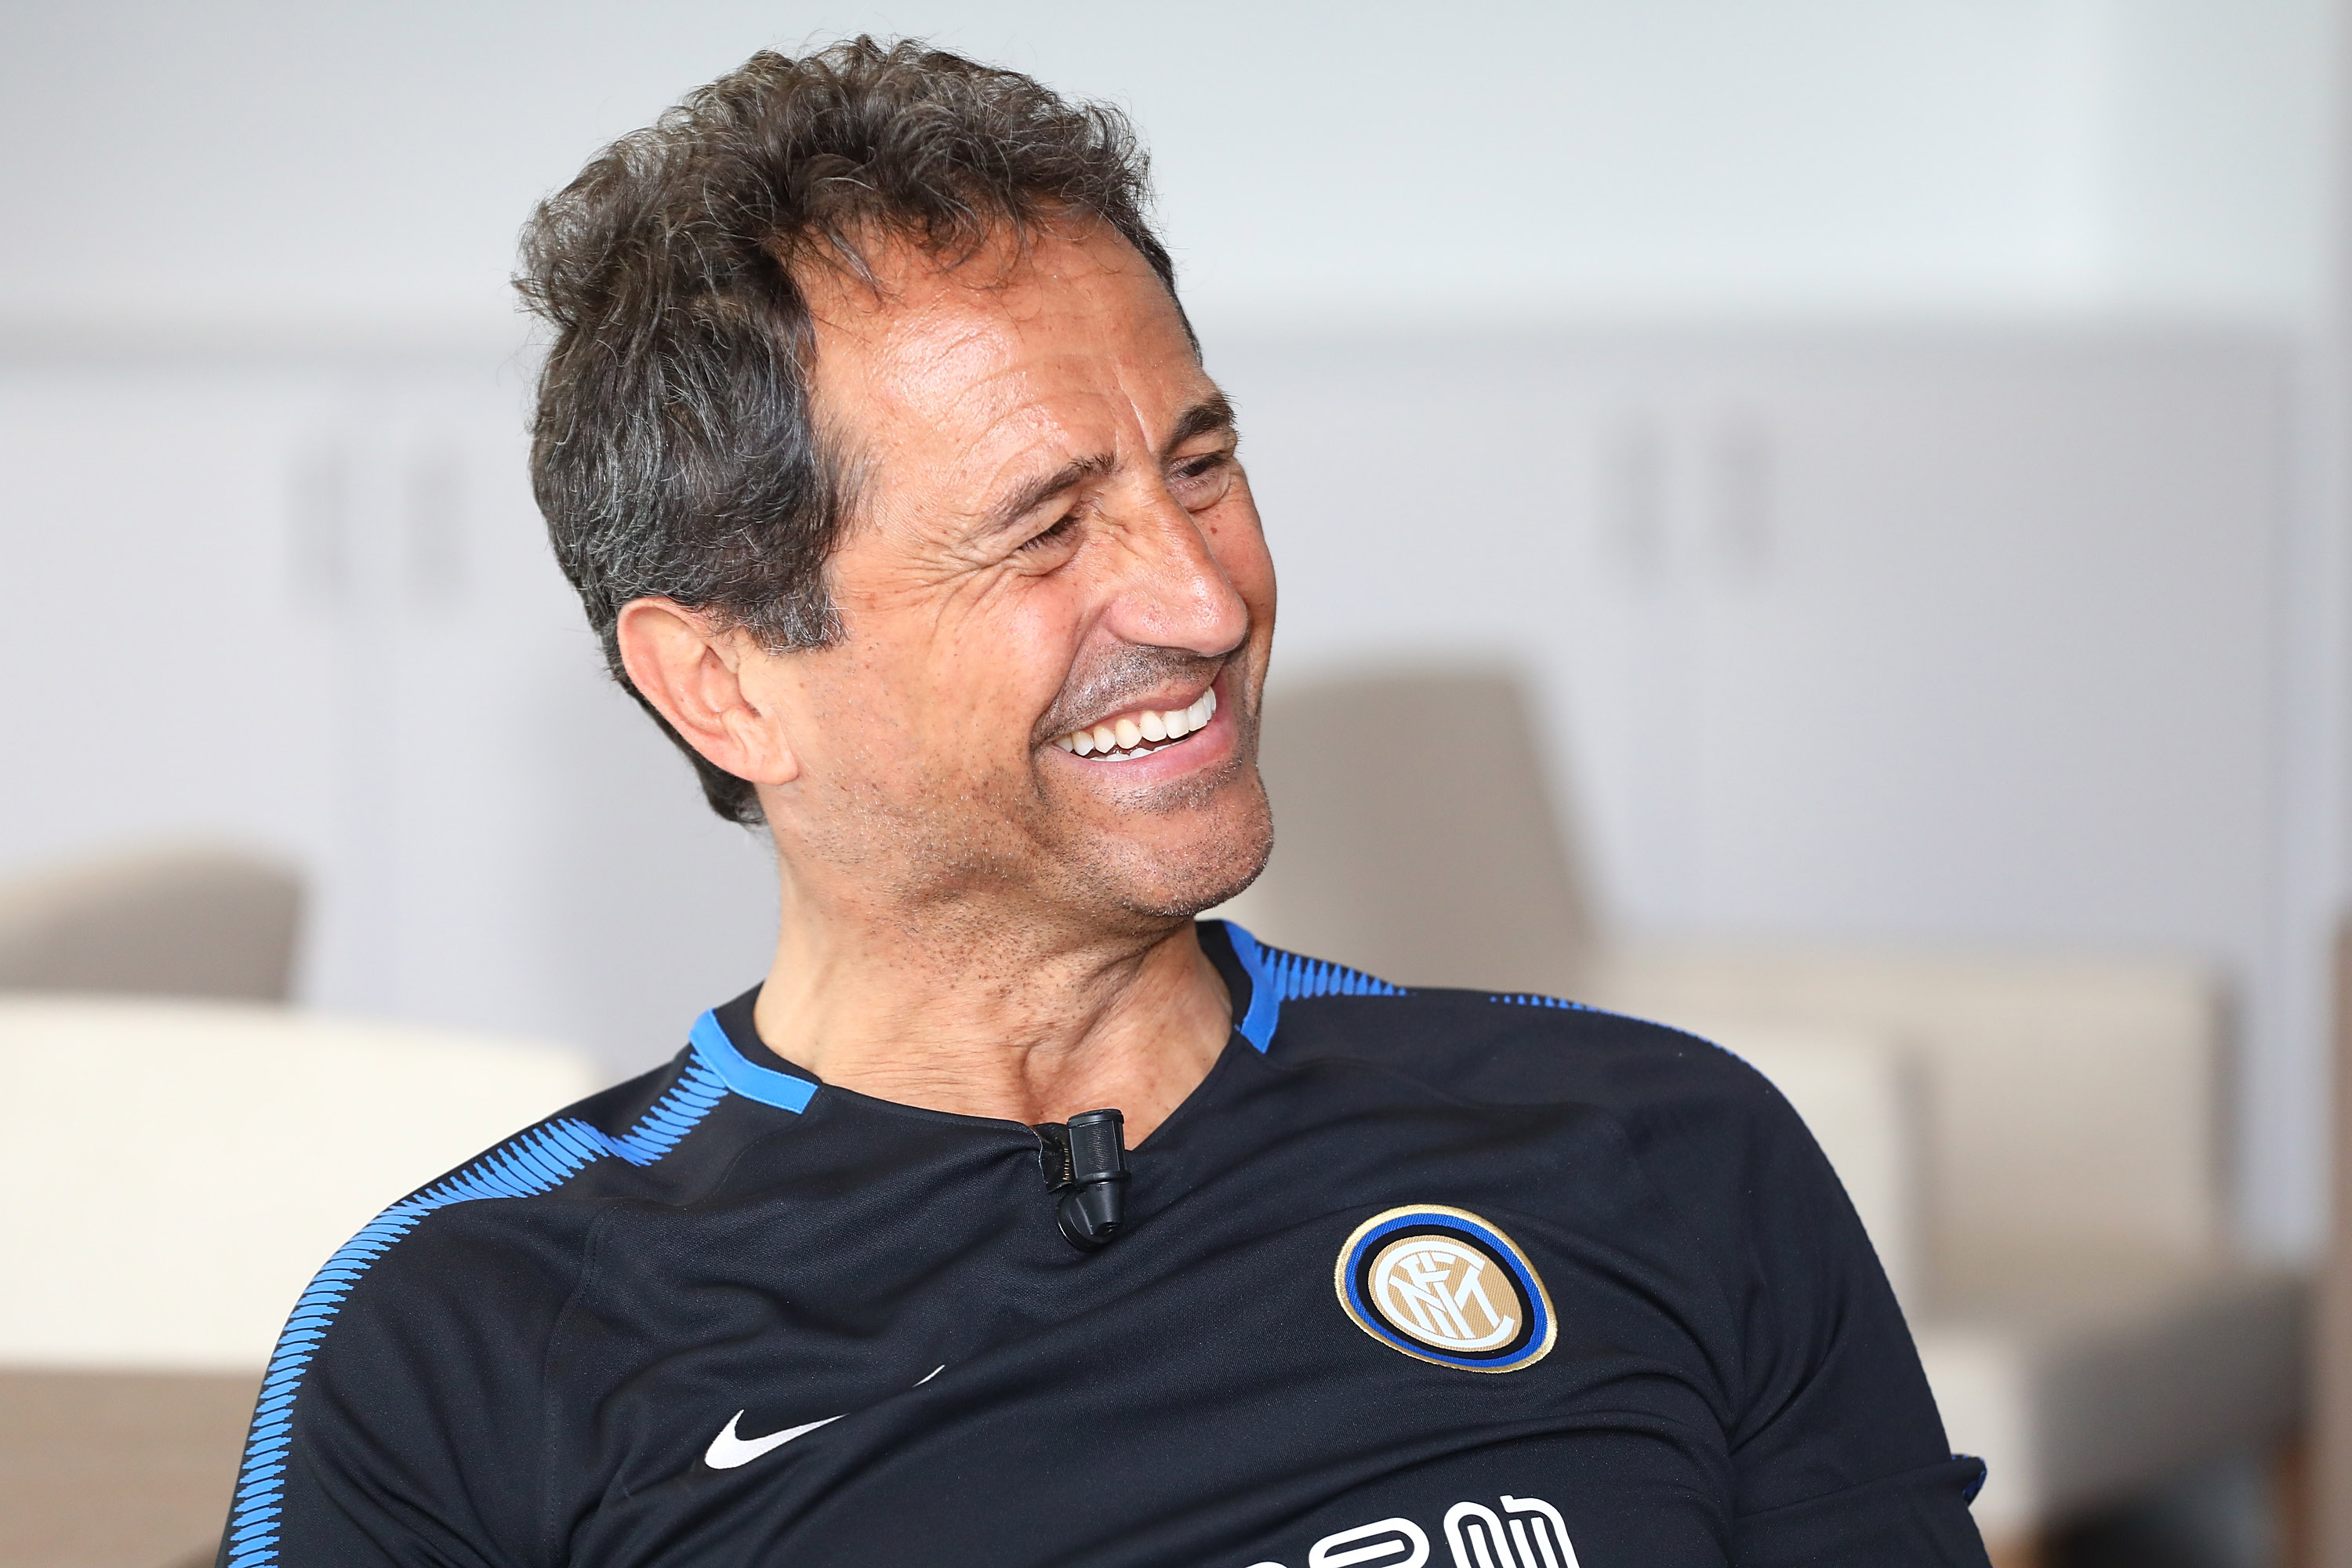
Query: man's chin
x=1172, y=905
x=1185, y=862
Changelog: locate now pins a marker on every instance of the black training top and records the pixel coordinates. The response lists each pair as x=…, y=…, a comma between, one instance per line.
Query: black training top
x=1411, y=1278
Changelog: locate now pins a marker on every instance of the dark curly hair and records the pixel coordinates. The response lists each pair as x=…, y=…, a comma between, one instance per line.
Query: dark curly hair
x=675, y=450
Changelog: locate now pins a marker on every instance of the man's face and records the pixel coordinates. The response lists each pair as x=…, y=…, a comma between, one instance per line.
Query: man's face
x=1051, y=547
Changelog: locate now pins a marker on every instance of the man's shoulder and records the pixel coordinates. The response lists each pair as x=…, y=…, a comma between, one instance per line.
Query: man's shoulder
x=538, y=1193
x=1515, y=1046
x=425, y=1335
x=1705, y=1131
x=1510, y=1046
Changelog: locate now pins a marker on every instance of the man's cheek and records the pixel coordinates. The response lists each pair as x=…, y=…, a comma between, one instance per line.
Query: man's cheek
x=1240, y=553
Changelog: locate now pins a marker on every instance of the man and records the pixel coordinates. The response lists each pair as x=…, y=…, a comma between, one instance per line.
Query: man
x=1016, y=1218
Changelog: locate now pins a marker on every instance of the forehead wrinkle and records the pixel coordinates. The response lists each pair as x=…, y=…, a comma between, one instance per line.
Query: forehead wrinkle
x=892, y=343
x=987, y=372
x=896, y=426
x=1141, y=376
x=988, y=350
x=1038, y=426
x=965, y=346
x=1003, y=342
x=1024, y=441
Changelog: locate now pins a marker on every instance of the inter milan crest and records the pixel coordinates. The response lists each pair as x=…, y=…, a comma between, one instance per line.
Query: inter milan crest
x=1443, y=1286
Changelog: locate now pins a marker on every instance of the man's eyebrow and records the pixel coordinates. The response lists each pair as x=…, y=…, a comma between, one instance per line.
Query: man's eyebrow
x=1036, y=492
x=1211, y=413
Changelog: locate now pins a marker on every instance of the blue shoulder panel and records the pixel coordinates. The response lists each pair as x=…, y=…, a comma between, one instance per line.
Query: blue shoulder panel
x=744, y=1076
x=1266, y=1001
x=1276, y=977
x=537, y=1161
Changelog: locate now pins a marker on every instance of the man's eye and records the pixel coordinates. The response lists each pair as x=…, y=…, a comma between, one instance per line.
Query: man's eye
x=1060, y=531
x=1199, y=481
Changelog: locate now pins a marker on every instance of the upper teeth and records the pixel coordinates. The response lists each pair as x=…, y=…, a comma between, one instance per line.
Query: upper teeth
x=1123, y=734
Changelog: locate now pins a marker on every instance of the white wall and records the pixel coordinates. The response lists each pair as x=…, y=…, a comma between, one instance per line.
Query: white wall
x=2221, y=149
x=366, y=166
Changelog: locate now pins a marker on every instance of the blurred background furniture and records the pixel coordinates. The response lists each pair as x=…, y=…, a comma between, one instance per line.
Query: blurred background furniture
x=2331, y=1458
x=2034, y=1142
x=178, y=1171
x=172, y=919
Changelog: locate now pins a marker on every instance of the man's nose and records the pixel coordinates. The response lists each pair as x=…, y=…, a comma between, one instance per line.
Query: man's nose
x=1175, y=592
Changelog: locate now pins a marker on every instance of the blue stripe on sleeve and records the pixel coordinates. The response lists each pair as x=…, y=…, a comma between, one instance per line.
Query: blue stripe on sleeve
x=1276, y=977
x=537, y=1161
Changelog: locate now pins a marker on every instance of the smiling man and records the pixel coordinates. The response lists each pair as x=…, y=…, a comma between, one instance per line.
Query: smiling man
x=880, y=450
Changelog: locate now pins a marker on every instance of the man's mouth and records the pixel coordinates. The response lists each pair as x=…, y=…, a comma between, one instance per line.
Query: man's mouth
x=1140, y=733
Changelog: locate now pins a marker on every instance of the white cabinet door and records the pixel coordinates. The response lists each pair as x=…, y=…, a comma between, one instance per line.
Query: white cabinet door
x=168, y=640
x=311, y=607
x=547, y=862
x=2005, y=669
x=1966, y=639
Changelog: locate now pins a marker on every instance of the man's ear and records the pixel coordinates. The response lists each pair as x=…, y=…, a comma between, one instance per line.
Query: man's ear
x=693, y=672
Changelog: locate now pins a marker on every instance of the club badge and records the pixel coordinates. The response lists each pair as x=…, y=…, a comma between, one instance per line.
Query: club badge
x=1443, y=1286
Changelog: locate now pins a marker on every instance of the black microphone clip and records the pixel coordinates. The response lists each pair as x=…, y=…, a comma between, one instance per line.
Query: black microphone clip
x=1085, y=1159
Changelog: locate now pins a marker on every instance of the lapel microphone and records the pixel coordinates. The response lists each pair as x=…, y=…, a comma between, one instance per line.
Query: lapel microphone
x=1085, y=1159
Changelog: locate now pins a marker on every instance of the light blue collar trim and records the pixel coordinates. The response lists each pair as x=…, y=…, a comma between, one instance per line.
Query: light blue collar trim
x=747, y=1078
x=1265, y=1012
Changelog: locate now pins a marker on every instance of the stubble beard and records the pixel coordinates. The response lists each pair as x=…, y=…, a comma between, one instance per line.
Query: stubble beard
x=952, y=862
x=965, y=873
x=1148, y=886
x=1000, y=858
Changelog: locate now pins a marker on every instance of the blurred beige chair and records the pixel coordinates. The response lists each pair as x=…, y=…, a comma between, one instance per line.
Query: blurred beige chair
x=2034, y=1142
x=180, y=1171
x=170, y=920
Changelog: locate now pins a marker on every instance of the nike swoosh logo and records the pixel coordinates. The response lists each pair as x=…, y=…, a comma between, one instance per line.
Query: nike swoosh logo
x=727, y=1450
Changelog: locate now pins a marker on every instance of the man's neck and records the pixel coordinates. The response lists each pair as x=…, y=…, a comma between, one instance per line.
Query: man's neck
x=951, y=1022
